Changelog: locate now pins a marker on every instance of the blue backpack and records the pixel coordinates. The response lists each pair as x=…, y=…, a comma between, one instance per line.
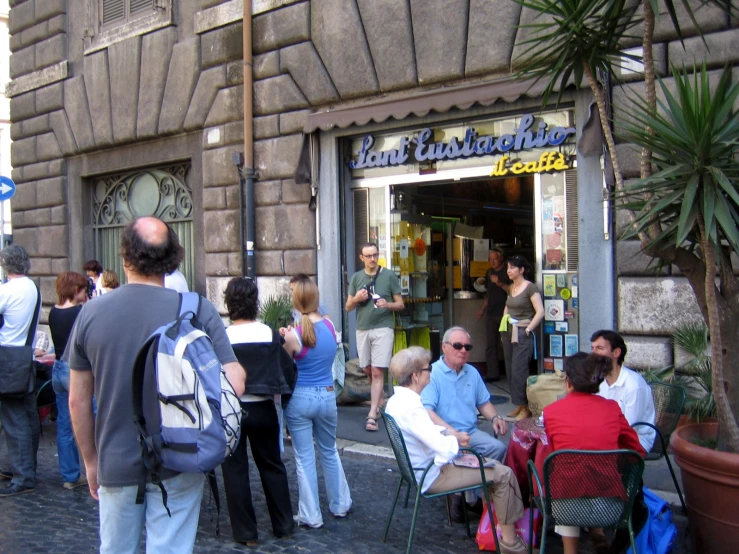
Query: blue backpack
x=659, y=532
x=186, y=411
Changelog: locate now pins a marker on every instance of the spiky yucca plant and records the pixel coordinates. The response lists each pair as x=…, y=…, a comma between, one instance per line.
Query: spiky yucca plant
x=276, y=311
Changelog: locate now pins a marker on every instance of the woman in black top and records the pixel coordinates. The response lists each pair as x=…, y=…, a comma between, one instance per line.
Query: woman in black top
x=71, y=290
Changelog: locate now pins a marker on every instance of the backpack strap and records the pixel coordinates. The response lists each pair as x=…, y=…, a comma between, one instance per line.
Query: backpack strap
x=189, y=302
x=34, y=321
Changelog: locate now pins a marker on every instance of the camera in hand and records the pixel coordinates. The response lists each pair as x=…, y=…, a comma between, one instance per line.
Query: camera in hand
x=370, y=293
x=90, y=287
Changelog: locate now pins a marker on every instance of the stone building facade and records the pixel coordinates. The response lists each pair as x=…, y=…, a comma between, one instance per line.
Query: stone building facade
x=93, y=101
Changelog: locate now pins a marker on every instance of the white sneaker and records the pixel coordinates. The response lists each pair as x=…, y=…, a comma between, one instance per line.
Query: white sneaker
x=518, y=547
x=302, y=523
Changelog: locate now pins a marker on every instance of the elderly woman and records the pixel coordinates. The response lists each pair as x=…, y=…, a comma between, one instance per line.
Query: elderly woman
x=427, y=443
x=604, y=428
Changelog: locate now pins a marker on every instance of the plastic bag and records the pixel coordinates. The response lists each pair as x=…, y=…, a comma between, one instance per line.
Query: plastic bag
x=485, y=540
x=659, y=532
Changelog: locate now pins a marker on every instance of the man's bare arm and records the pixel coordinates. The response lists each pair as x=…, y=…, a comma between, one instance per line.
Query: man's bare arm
x=236, y=376
x=462, y=437
x=81, y=388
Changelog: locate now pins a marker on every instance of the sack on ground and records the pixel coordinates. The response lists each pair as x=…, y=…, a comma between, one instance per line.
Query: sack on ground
x=187, y=412
x=542, y=390
x=356, y=384
x=659, y=532
x=485, y=540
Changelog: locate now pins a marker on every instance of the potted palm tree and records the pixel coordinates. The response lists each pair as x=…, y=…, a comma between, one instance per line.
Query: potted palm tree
x=684, y=208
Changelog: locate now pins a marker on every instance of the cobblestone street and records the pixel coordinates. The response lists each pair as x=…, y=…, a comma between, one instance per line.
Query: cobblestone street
x=53, y=519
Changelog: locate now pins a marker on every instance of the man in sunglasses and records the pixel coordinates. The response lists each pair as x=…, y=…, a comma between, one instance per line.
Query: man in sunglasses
x=457, y=392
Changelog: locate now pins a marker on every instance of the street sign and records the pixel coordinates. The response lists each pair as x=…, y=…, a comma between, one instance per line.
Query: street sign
x=7, y=188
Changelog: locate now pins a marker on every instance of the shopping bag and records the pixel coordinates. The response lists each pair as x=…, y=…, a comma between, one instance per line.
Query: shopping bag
x=542, y=390
x=485, y=540
x=659, y=532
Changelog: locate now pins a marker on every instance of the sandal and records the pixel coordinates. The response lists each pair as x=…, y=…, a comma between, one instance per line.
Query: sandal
x=371, y=424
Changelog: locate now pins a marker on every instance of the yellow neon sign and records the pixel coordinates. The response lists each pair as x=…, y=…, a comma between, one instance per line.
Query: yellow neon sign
x=549, y=161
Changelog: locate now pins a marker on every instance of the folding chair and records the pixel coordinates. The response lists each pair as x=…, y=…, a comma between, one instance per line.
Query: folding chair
x=586, y=488
x=408, y=476
x=669, y=401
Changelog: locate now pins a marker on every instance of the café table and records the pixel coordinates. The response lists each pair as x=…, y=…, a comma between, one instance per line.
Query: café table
x=528, y=442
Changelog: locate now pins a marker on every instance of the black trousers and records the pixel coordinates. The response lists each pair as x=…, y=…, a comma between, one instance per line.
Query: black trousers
x=260, y=426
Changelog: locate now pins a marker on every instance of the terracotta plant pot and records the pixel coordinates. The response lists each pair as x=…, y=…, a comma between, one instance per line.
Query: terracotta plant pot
x=684, y=420
x=711, y=486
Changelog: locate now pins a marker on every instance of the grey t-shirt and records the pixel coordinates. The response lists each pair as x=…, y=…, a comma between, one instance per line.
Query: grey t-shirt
x=106, y=338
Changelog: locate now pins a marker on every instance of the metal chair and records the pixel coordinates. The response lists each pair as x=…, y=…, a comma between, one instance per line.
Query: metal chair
x=586, y=488
x=408, y=476
x=669, y=401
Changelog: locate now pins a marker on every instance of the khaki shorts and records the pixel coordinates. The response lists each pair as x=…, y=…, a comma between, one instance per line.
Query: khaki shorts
x=375, y=347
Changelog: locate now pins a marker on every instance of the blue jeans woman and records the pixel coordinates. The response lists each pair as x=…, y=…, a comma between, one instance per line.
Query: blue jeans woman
x=69, y=461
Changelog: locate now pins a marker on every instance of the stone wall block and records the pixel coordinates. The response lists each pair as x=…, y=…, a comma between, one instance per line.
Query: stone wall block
x=440, y=34
x=709, y=17
x=308, y=72
x=34, y=34
x=52, y=240
x=58, y=215
x=47, y=285
x=277, y=158
x=21, y=17
x=630, y=260
x=234, y=133
x=209, y=83
x=629, y=156
x=22, y=62
x=78, y=112
x=216, y=264
x=63, y=132
x=222, y=230
x=235, y=73
x=97, y=85
x=57, y=167
x=267, y=193
x=387, y=24
x=214, y=198
x=23, y=151
x=47, y=148
x=266, y=127
x=300, y=261
x=28, y=239
x=293, y=122
x=233, y=197
x=59, y=265
x=228, y=106
x=223, y=45
x=156, y=52
x=338, y=35
x=273, y=286
x=291, y=227
x=17, y=175
x=654, y=305
x=184, y=70
x=51, y=51
x=24, y=198
x=295, y=194
x=50, y=98
x=218, y=169
x=51, y=192
x=215, y=287
x=281, y=27
x=23, y=106
x=648, y=352
x=214, y=137
x=37, y=218
x=492, y=22
x=48, y=8
x=57, y=24
x=277, y=94
x=31, y=127
x=124, y=59
x=269, y=262
x=15, y=43
x=266, y=65
x=524, y=34
x=234, y=264
x=718, y=49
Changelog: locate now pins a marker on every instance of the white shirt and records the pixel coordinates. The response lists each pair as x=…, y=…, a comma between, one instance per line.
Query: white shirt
x=249, y=332
x=17, y=303
x=423, y=439
x=176, y=281
x=634, y=396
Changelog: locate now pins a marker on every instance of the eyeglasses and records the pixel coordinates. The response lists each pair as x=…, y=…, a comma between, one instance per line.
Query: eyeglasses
x=424, y=369
x=460, y=346
x=370, y=256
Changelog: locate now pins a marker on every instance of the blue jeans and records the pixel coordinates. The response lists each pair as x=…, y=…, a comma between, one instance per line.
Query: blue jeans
x=487, y=445
x=69, y=459
x=311, y=414
x=122, y=520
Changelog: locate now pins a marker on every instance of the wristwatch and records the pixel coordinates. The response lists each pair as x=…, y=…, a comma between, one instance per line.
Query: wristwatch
x=495, y=416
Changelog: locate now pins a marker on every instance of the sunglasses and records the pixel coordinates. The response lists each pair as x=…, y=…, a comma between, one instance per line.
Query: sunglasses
x=460, y=346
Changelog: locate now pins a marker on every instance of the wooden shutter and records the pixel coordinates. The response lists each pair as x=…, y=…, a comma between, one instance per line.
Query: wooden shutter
x=113, y=10
x=573, y=234
x=140, y=6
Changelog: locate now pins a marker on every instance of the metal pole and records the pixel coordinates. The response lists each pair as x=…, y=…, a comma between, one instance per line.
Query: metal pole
x=2, y=235
x=248, y=168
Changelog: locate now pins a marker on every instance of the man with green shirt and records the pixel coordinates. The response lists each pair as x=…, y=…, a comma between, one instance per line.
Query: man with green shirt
x=375, y=293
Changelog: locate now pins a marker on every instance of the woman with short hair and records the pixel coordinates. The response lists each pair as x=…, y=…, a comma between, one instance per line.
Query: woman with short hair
x=427, y=443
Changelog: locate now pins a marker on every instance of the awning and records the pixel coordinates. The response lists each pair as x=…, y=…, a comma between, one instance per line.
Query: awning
x=439, y=100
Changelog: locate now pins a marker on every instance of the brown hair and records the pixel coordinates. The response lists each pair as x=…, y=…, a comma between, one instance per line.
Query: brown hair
x=305, y=300
x=68, y=284
x=585, y=372
x=110, y=279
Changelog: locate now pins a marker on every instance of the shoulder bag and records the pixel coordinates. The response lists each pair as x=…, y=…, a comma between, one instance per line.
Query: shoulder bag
x=17, y=368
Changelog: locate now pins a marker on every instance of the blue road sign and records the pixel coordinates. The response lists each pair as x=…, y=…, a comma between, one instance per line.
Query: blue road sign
x=7, y=188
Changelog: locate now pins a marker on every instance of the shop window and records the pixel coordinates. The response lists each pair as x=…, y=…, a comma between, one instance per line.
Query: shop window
x=111, y=21
x=161, y=192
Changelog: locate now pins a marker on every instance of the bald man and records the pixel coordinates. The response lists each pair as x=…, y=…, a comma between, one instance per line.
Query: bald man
x=101, y=352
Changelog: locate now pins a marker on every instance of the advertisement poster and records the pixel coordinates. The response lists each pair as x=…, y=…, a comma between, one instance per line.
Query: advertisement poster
x=480, y=250
x=555, y=346
x=562, y=327
x=571, y=345
x=554, y=310
x=548, y=328
x=550, y=285
x=561, y=281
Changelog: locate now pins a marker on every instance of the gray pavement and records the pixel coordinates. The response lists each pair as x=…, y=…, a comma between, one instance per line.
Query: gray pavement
x=58, y=520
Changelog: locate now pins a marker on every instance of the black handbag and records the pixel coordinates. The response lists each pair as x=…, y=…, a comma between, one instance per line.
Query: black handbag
x=17, y=366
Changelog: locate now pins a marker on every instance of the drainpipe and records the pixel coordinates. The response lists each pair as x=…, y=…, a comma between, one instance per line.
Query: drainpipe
x=248, y=268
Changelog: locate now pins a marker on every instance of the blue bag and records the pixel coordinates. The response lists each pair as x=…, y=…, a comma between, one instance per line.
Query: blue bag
x=659, y=532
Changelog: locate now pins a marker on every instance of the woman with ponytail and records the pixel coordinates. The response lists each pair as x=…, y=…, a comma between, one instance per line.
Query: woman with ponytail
x=312, y=411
